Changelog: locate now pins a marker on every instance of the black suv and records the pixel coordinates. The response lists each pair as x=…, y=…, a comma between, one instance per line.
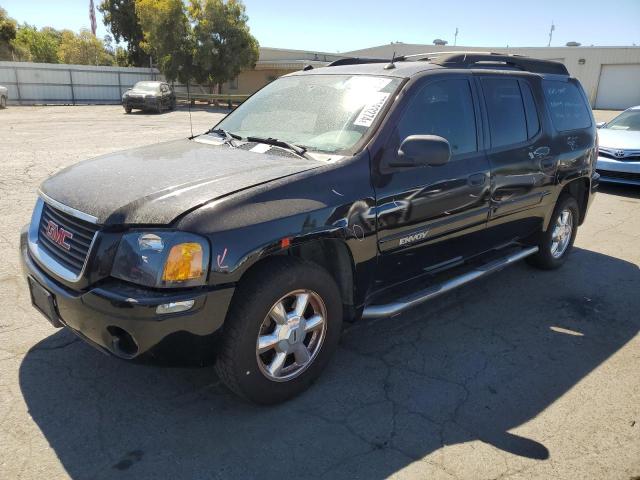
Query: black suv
x=153, y=96
x=355, y=190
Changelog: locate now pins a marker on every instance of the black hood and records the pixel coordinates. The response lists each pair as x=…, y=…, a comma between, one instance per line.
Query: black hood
x=156, y=184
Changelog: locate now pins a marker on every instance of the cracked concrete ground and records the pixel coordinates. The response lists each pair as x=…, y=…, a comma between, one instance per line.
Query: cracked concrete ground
x=527, y=374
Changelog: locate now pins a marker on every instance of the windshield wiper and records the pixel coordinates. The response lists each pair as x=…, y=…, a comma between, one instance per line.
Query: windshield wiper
x=297, y=149
x=228, y=136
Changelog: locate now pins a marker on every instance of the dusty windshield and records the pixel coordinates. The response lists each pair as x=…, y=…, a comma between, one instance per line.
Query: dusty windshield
x=629, y=120
x=147, y=87
x=327, y=113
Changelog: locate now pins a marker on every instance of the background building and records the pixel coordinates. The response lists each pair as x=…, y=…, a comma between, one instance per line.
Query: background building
x=609, y=75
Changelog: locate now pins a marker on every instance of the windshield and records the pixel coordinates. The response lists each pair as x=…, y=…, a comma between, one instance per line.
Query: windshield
x=629, y=120
x=147, y=86
x=329, y=113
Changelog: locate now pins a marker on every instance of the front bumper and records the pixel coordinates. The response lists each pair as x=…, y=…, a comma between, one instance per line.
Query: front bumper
x=616, y=171
x=121, y=319
x=140, y=102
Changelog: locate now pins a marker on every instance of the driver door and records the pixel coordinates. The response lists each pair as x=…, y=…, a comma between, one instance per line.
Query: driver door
x=430, y=217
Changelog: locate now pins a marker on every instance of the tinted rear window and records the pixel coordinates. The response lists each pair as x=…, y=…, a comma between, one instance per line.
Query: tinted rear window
x=507, y=121
x=566, y=104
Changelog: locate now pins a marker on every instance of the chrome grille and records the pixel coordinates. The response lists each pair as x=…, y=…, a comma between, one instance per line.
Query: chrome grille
x=79, y=243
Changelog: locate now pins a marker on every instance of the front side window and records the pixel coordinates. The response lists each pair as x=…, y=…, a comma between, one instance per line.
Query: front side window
x=507, y=119
x=567, y=106
x=329, y=113
x=443, y=108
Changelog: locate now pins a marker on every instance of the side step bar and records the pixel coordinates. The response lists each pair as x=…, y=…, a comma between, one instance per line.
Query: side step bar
x=391, y=309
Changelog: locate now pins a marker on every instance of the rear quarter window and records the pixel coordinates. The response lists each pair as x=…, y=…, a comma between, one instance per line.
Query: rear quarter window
x=567, y=106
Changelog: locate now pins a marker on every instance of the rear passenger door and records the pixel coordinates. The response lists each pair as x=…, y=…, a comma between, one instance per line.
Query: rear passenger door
x=520, y=153
x=432, y=216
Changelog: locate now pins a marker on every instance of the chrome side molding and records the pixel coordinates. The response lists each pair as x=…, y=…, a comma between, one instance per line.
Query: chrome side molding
x=391, y=309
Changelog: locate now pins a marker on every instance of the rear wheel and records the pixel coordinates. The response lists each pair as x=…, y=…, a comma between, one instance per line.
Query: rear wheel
x=127, y=109
x=556, y=243
x=3, y=102
x=283, y=326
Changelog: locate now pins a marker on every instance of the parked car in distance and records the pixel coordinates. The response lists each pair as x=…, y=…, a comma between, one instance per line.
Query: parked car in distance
x=619, y=148
x=352, y=191
x=149, y=96
x=4, y=96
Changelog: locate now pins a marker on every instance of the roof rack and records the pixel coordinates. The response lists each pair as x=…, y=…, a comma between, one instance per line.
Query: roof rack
x=476, y=59
x=462, y=59
x=360, y=60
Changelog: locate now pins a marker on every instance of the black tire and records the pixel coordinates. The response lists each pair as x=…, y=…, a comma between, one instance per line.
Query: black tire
x=545, y=258
x=172, y=106
x=158, y=108
x=237, y=362
x=127, y=109
x=3, y=102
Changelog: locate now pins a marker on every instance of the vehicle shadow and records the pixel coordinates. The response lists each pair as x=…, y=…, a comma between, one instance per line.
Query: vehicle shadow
x=469, y=366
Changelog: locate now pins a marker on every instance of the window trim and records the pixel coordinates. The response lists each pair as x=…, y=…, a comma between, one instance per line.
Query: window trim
x=536, y=108
x=421, y=83
x=512, y=146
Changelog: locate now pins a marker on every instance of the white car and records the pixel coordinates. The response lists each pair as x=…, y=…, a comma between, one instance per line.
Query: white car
x=619, y=151
x=4, y=94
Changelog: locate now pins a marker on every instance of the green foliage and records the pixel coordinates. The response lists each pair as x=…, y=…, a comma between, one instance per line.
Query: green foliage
x=167, y=36
x=83, y=49
x=225, y=46
x=120, y=16
x=209, y=42
x=36, y=45
x=8, y=29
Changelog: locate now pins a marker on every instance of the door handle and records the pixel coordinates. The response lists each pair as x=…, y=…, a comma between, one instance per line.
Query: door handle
x=477, y=179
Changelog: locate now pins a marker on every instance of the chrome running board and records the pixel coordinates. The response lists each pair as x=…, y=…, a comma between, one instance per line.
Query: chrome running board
x=391, y=309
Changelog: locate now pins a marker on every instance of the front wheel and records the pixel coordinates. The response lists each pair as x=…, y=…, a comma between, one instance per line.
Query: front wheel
x=127, y=109
x=283, y=326
x=3, y=102
x=556, y=243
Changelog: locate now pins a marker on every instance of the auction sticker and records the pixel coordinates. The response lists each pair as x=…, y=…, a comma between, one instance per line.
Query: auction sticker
x=371, y=110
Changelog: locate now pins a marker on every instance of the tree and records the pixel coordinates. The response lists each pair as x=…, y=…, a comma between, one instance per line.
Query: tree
x=167, y=36
x=83, y=49
x=224, y=44
x=37, y=45
x=120, y=16
x=8, y=30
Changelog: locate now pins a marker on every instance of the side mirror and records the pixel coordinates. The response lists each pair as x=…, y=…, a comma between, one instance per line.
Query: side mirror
x=600, y=124
x=421, y=151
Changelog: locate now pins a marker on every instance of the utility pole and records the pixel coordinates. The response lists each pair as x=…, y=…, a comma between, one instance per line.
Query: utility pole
x=455, y=38
x=553, y=27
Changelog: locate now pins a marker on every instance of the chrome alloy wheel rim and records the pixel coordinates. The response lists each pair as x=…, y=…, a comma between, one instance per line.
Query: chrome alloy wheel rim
x=291, y=335
x=561, y=234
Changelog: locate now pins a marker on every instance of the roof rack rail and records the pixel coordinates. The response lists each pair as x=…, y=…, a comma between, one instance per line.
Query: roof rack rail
x=475, y=59
x=362, y=60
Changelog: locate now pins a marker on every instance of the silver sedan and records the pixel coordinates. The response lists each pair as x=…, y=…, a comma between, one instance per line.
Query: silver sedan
x=619, y=151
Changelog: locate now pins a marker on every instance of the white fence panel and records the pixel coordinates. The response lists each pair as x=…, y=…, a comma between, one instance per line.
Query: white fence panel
x=44, y=83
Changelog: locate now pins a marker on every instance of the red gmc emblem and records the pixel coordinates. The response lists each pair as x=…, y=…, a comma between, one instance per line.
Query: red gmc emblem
x=58, y=234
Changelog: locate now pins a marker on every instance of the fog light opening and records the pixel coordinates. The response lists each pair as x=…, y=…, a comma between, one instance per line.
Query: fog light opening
x=123, y=343
x=174, y=307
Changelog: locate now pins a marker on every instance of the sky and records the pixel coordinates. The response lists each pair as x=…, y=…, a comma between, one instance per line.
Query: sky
x=343, y=25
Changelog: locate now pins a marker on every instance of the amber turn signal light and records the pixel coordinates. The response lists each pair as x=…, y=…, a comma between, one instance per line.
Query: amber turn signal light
x=183, y=263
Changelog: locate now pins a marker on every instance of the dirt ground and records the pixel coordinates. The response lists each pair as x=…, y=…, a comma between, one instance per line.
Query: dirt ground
x=527, y=374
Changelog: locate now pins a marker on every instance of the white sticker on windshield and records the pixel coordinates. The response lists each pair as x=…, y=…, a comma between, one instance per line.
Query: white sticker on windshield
x=371, y=110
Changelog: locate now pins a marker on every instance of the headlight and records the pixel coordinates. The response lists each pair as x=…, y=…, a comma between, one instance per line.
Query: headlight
x=162, y=259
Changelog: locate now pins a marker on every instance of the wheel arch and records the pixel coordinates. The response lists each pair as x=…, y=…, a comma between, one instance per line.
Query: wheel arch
x=331, y=254
x=579, y=189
